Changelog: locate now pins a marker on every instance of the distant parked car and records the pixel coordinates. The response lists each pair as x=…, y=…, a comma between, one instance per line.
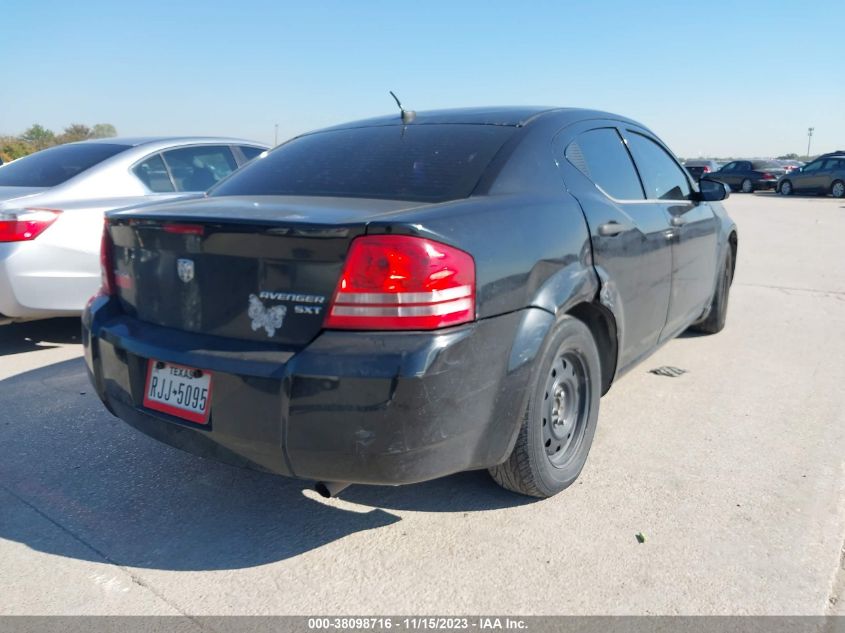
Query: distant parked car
x=823, y=175
x=52, y=204
x=700, y=168
x=791, y=165
x=748, y=176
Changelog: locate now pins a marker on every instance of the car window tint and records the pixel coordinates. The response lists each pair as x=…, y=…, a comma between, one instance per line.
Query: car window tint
x=830, y=163
x=601, y=156
x=414, y=162
x=152, y=172
x=764, y=165
x=814, y=166
x=728, y=167
x=662, y=177
x=200, y=167
x=53, y=166
x=250, y=152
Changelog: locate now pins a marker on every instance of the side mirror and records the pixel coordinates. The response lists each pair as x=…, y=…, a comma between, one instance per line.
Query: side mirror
x=712, y=190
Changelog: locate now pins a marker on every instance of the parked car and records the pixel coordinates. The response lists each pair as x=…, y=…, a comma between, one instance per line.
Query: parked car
x=822, y=176
x=457, y=297
x=52, y=204
x=791, y=165
x=701, y=168
x=748, y=176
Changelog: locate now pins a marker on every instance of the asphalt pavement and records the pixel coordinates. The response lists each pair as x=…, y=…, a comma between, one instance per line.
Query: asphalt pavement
x=733, y=472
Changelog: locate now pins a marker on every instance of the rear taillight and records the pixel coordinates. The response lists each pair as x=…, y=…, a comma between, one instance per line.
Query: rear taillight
x=184, y=229
x=706, y=169
x=400, y=282
x=26, y=224
x=109, y=287
x=768, y=176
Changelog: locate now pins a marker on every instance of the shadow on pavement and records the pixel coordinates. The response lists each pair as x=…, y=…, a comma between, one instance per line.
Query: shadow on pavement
x=138, y=503
x=29, y=336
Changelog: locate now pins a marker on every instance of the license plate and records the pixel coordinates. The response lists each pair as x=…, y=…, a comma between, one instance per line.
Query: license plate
x=181, y=391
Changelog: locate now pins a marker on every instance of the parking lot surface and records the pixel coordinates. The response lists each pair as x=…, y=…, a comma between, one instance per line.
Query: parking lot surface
x=732, y=471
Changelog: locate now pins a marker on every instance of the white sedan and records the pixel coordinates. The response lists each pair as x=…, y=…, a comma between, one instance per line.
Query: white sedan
x=52, y=205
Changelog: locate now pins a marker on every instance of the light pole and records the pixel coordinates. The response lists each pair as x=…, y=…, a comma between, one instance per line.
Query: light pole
x=809, y=138
x=275, y=135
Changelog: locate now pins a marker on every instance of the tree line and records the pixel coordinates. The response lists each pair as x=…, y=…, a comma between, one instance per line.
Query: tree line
x=37, y=137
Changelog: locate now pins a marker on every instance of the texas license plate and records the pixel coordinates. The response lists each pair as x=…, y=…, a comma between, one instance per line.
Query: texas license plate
x=184, y=392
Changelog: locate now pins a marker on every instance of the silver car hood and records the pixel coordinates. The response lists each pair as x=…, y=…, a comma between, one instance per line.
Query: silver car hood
x=10, y=193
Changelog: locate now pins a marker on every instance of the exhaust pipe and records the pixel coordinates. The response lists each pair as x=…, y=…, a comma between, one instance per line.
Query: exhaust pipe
x=329, y=489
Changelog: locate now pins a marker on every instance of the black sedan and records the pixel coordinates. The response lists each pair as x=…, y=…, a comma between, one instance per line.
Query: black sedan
x=458, y=296
x=748, y=176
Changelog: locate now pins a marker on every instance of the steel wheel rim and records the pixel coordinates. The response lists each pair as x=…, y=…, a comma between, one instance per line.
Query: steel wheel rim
x=786, y=188
x=838, y=190
x=748, y=188
x=565, y=408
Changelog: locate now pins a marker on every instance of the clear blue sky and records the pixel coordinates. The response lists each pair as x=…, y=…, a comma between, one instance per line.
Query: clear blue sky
x=714, y=78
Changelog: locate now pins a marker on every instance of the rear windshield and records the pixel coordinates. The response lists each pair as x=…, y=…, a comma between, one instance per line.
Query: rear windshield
x=758, y=165
x=53, y=166
x=427, y=163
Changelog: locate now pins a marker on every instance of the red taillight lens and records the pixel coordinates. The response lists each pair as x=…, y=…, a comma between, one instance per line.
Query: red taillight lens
x=768, y=176
x=706, y=169
x=109, y=287
x=184, y=229
x=25, y=225
x=400, y=282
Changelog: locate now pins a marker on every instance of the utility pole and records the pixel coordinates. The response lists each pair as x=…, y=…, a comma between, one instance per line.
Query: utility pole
x=809, y=138
x=275, y=135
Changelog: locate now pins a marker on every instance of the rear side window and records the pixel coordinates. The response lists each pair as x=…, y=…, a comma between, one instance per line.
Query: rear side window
x=53, y=166
x=426, y=163
x=198, y=168
x=600, y=155
x=662, y=178
x=152, y=172
x=250, y=152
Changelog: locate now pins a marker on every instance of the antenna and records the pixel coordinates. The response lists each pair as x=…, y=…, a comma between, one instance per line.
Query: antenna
x=407, y=115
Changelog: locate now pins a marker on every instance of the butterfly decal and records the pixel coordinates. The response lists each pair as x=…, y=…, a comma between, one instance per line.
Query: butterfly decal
x=270, y=319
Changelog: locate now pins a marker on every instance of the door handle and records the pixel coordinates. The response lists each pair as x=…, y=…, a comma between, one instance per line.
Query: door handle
x=677, y=220
x=609, y=229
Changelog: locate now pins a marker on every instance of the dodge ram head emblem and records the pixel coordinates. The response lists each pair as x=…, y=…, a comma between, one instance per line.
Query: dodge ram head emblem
x=185, y=269
x=270, y=319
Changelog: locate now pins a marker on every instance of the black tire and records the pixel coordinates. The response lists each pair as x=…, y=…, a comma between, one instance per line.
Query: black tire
x=715, y=320
x=569, y=362
x=837, y=189
x=789, y=188
x=747, y=186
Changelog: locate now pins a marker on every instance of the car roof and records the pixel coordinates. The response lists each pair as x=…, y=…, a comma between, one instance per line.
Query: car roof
x=514, y=116
x=135, y=141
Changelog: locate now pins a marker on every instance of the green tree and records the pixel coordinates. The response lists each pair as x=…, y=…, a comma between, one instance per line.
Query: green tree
x=103, y=130
x=75, y=132
x=12, y=147
x=38, y=136
x=792, y=156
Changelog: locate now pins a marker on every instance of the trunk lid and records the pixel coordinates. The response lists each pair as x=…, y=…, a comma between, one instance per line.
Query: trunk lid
x=11, y=193
x=254, y=269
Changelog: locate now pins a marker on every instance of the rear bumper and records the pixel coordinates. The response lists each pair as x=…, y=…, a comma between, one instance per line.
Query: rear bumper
x=766, y=185
x=37, y=281
x=358, y=407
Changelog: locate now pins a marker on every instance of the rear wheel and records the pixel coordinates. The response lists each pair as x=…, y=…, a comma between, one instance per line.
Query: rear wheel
x=747, y=186
x=715, y=320
x=560, y=419
x=786, y=188
x=837, y=189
